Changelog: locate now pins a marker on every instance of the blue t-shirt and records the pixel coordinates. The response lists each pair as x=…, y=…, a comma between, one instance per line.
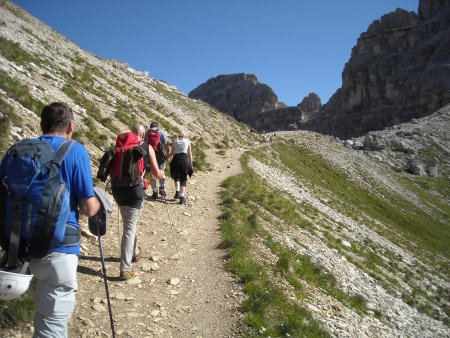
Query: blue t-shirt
x=76, y=173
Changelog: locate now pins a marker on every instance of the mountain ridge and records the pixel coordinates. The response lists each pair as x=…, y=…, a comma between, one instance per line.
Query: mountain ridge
x=398, y=70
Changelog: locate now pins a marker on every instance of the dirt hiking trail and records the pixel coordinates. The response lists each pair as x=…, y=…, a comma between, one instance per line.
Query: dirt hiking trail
x=187, y=296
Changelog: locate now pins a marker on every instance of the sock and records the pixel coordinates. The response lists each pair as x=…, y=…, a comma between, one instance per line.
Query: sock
x=181, y=194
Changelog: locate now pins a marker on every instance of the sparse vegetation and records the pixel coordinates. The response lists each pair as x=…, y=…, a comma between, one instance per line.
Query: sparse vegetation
x=14, y=53
x=7, y=117
x=248, y=199
x=125, y=113
x=354, y=199
x=198, y=145
x=16, y=311
x=267, y=310
x=19, y=92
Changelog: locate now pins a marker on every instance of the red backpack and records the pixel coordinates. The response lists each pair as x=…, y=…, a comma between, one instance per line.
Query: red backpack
x=154, y=139
x=127, y=164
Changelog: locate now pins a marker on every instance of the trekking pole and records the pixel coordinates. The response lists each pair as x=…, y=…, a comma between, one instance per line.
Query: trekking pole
x=118, y=226
x=171, y=224
x=106, y=284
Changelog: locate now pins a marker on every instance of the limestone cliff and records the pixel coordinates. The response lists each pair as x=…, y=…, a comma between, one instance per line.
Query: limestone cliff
x=398, y=70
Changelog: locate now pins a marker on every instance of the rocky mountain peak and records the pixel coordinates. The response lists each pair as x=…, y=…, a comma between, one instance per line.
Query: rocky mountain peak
x=239, y=95
x=310, y=104
x=398, y=70
x=394, y=20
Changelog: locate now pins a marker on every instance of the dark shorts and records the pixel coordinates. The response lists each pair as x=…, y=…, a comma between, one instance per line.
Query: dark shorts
x=129, y=196
x=180, y=167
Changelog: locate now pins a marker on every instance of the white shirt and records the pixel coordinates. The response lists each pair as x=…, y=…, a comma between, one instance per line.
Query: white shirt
x=181, y=145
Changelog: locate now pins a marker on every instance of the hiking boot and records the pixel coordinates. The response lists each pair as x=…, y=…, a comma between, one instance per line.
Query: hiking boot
x=177, y=195
x=154, y=195
x=182, y=200
x=162, y=192
x=126, y=275
x=136, y=255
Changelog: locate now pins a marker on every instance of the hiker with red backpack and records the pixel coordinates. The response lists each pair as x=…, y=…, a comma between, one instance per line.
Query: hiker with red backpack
x=127, y=172
x=158, y=140
x=181, y=165
x=50, y=172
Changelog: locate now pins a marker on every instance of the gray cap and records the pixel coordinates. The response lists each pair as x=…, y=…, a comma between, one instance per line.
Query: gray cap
x=98, y=222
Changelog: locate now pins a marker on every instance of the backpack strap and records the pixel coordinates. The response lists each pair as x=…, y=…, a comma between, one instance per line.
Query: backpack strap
x=14, y=237
x=63, y=149
x=72, y=233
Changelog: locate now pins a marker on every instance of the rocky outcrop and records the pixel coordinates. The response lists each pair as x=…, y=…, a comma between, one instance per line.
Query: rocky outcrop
x=288, y=118
x=398, y=70
x=249, y=101
x=310, y=106
x=239, y=95
x=420, y=147
x=284, y=118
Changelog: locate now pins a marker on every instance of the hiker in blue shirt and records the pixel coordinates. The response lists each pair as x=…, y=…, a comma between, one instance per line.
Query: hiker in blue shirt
x=55, y=282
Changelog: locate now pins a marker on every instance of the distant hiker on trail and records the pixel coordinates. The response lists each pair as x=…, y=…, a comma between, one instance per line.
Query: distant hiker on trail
x=181, y=165
x=54, y=282
x=158, y=140
x=127, y=183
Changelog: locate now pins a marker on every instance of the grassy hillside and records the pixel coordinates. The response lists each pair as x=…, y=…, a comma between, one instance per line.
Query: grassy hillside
x=311, y=228
x=38, y=66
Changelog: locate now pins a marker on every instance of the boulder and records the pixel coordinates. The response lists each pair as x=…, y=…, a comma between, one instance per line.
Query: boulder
x=416, y=167
x=374, y=141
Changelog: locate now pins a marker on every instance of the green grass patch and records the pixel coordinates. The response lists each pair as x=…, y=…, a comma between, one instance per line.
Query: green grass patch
x=99, y=140
x=9, y=117
x=13, y=52
x=125, y=113
x=19, y=92
x=16, y=311
x=198, y=154
x=268, y=312
x=401, y=215
x=433, y=191
x=253, y=193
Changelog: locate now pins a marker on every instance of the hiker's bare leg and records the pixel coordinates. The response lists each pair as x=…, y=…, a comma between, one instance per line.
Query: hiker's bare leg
x=153, y=183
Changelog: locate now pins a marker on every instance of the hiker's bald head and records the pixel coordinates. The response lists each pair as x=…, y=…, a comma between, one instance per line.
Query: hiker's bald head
x=139, y=130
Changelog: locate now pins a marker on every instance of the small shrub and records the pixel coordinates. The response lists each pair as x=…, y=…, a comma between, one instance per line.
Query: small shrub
x=16, y=311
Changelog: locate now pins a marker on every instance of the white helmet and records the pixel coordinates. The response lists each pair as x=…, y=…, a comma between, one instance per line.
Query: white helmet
x=13, y=285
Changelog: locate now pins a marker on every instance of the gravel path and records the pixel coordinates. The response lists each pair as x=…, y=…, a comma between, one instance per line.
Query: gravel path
x=189, y=295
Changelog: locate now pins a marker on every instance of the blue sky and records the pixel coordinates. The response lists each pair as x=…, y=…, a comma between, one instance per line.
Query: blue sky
x=294, y=46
